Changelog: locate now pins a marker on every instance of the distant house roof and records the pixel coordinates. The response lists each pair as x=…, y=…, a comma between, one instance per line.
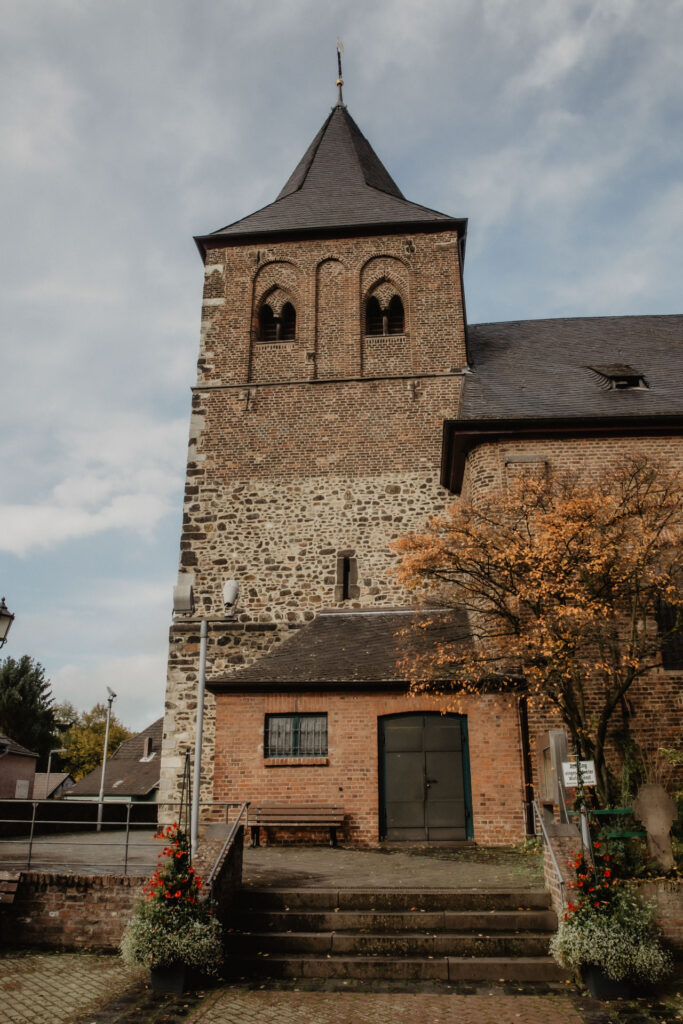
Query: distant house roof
x=57, y=779
x=356, y=650
x=340, y=182
x=567, y=376
x=129, y=772
x=10, y=746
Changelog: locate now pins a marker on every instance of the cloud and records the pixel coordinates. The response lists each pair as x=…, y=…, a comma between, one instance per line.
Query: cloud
x=123, y=475
x=138, y=680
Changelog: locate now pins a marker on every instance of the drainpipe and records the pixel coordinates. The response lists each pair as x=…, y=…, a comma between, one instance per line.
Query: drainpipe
x=197, y=778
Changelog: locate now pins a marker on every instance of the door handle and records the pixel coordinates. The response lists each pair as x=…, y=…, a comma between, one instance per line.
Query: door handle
x=430, y=781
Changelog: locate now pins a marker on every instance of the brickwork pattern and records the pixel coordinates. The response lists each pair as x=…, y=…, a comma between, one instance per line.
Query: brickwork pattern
x=52, y=988
x=276, y=1007
x=53, y=911
x=656, y=700
x=350, y=773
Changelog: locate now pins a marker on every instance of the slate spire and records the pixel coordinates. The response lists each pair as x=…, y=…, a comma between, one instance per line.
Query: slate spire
x=340, y=182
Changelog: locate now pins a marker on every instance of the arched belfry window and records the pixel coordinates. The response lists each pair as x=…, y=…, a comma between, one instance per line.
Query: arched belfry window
x=267, y=328
x=373, y=317
x=383, y=319
x=396, y=316
x=288, y=322
x=277, y=327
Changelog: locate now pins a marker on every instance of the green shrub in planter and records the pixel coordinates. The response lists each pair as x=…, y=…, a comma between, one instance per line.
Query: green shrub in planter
x=609, y=928
x=172, y=926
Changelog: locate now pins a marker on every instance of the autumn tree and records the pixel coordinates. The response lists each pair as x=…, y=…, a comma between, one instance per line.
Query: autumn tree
x=26, y=706
x=83, y=737
x=571, y=589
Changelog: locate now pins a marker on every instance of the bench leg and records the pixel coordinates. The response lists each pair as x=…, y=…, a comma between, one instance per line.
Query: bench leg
x=333, y=836
x=255, y=835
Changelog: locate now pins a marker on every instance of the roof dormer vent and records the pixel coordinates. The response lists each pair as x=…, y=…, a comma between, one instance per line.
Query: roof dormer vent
x=619, y=377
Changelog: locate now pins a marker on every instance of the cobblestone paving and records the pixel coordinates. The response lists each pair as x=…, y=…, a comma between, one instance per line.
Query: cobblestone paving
x=267, y=1007
x=56, y=988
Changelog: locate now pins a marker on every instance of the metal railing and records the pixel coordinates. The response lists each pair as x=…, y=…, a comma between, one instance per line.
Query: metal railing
x=243, y=811
x=29, y=838
x=546, y=838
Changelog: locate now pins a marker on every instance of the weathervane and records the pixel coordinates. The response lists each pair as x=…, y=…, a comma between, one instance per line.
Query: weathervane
x=340, y=80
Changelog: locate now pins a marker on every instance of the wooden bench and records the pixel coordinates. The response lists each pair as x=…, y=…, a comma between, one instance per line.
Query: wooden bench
x=9, y=880
x=295, y=816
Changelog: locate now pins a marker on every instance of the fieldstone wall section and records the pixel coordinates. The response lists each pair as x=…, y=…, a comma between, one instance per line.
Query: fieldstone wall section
x=55, y=911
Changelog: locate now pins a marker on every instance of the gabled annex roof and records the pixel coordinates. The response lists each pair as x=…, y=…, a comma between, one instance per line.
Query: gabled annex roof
x=551, y=378
x=352, y=650
x=340, y=182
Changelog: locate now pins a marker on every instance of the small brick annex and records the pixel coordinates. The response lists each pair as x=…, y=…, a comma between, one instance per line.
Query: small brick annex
x=310, y=453
x=350, y=772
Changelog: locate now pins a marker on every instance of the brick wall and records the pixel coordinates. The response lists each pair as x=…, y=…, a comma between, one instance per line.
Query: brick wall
x=656, y=700
x=349, y=775
x=667, y=895
x=53, y=911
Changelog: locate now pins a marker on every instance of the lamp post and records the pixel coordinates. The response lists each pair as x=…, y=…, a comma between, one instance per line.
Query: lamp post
x=110, y=701
x=6, y=620
x=183, y=604
x=57, y=750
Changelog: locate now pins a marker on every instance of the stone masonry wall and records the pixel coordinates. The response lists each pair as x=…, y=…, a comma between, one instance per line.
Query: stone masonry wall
x=300, y=450
x=282, y=544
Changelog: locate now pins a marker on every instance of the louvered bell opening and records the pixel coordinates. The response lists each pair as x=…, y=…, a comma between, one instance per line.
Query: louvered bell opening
x=288, y=322
x=396, y=318
x=267, y=327
x=373, y=317
x=296, y=736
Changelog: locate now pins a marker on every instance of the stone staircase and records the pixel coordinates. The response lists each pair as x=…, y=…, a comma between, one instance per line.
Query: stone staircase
x=401, y=935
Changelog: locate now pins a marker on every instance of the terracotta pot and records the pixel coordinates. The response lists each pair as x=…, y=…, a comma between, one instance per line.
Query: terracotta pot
x=601, y=986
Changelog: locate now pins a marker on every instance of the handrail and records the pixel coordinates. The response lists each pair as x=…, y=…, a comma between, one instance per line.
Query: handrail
x=553, y=858
x=244, y=810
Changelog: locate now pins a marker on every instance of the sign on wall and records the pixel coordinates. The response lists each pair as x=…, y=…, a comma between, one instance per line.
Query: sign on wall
x=571, y=775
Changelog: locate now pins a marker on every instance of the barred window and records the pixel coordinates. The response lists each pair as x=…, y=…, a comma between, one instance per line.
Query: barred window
x=295, y=736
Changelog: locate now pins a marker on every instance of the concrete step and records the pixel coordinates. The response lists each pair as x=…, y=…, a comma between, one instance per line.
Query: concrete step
x=395, y=922
x=416, y=944
x=519, y=969
x=394, y=899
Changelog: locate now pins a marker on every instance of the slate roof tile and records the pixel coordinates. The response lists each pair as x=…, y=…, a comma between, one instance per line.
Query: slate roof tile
x=536, y=369
x=350, y=647
x=339, y=182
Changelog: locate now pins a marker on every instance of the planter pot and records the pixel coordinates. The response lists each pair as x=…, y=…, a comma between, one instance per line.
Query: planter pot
x=169, y=979
x=601, y=986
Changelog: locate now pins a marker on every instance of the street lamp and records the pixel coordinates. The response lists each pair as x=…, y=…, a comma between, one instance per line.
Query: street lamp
x=110, y=700
x=6, y=620
x=57, y=750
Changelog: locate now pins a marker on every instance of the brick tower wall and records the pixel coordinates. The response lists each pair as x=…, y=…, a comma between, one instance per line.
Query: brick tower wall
x=301, y=451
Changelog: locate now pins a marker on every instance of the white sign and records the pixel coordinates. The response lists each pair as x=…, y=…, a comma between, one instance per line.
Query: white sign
x=571, y=775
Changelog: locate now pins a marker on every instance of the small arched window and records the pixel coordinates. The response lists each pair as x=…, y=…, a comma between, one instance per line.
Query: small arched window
x=373, y=317
x=288, y=322
x=396, y=318
x=267, y=326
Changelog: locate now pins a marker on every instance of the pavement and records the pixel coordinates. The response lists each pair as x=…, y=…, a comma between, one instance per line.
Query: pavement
x=96, y=853
x=76, y=988
x=421, y=867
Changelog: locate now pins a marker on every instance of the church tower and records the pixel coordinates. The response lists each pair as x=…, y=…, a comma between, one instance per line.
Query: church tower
x=333, y=348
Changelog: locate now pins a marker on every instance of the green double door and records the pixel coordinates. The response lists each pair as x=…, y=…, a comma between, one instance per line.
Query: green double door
x=424, y=776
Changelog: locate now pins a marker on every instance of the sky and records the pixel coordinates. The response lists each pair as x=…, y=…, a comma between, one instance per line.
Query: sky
x=128, y=127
